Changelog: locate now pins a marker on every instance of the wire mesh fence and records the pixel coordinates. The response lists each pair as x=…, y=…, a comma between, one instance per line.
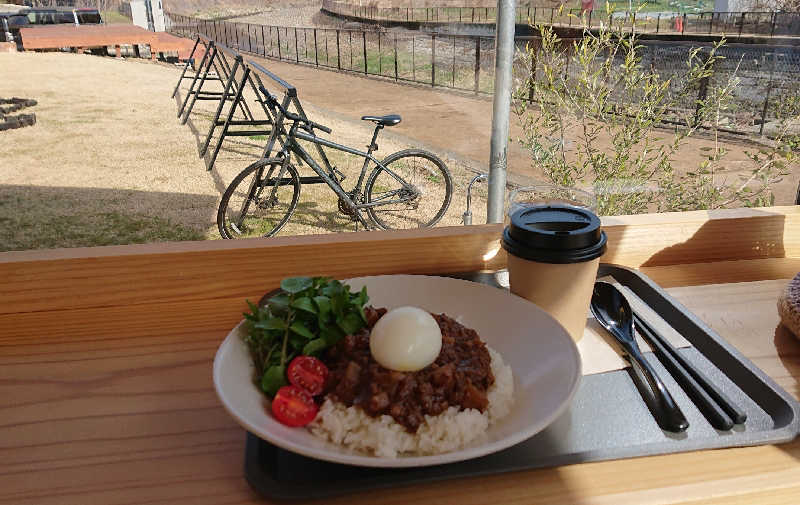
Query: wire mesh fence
x=466, y=63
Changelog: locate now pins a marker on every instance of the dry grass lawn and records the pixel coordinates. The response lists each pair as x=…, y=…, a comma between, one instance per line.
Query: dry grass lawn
x=109, y=163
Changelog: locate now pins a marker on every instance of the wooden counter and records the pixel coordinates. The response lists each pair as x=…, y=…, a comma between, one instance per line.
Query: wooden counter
x=105, y=360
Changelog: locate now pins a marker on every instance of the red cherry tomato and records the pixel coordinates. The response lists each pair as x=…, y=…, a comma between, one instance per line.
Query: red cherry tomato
x=293, y=406
x=308, y=373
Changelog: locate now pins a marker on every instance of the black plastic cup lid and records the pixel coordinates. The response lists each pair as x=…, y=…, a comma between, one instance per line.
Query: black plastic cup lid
x=554, y=233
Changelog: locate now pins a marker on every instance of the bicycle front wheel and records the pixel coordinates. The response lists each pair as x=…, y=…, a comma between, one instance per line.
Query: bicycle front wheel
x=259, y=201
x=412, y=191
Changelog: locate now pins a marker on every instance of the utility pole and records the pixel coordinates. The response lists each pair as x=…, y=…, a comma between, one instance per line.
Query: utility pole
x=501, y=108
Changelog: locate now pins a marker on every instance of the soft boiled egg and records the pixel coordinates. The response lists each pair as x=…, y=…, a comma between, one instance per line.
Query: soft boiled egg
x=405, y=339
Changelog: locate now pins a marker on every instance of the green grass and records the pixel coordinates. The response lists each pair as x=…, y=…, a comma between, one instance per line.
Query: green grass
x=114, y=17
x=665, y=6
x=56, y=220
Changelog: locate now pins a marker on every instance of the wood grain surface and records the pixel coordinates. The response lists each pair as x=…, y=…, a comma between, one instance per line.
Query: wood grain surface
x=105, y=362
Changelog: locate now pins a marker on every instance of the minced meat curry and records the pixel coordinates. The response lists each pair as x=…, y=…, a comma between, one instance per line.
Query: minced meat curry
x=460, y=376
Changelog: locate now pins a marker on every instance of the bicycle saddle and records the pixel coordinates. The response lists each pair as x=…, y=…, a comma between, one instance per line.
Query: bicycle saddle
x=388, y=120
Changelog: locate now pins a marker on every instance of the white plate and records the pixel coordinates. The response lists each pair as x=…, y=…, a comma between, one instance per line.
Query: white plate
x=543, y=358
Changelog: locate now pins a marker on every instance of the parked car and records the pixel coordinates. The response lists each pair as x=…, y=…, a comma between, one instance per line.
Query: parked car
x=67, y=15
x=87, y=16
x=12, y=18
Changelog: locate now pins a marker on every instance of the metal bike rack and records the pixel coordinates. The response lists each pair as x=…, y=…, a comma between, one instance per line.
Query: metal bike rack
x=190, y=64
x=466, y=218
x=239, y=78
x=289, y=99
x=236, y=77
x=221, y=72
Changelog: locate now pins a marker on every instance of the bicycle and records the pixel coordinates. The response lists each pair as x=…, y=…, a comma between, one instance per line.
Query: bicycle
x=408, y=189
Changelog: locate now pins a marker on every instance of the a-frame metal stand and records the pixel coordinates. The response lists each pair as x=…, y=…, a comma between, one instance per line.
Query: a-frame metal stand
x=236, y=78
x=289, y=99
x=215, y=59
x=190, y=63
x=240, y=78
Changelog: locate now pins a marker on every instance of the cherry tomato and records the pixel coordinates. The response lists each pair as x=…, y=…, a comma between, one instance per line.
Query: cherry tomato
x=293, y=406
x=308, y=373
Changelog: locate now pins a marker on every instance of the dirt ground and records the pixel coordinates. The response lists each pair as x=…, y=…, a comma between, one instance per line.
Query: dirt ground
x=466, y=119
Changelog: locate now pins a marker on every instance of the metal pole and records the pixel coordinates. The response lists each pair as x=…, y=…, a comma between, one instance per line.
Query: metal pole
x=413, y=59
x=454, y=62
x=433, y=60
x=501, y=106
x=766, y=99
x=364, y=42
x=534, y=62
x=477, y=63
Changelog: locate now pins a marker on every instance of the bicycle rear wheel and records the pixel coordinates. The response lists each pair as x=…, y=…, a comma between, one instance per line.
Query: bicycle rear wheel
x=414, y=191
x=259, y=201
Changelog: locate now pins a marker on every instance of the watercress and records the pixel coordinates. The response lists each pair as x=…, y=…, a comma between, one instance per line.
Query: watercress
x=306, y=317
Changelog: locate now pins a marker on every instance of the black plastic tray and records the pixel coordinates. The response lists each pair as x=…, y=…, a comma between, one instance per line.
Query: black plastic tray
x=607, y=420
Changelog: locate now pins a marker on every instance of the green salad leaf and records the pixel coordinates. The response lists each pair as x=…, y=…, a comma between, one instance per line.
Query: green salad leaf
x=309, y=315
x=274, y=378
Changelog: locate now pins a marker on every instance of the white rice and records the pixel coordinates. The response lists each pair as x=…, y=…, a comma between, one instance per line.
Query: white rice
x=384, y=437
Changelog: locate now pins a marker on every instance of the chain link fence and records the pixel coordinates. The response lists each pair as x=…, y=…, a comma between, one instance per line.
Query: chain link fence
x=466, y=63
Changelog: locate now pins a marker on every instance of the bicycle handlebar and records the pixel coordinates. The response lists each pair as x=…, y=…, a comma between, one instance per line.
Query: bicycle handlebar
x=291, y=116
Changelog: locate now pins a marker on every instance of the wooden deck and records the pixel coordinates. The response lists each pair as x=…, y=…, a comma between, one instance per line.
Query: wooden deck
x=93, y=36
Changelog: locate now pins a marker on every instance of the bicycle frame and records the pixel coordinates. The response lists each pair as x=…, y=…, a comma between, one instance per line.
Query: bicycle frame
x=292, y=146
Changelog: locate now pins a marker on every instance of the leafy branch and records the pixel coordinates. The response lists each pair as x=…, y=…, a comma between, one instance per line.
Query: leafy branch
x=593, y=114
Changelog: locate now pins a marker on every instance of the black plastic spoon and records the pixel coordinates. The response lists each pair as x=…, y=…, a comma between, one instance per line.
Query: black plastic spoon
x=612, y=310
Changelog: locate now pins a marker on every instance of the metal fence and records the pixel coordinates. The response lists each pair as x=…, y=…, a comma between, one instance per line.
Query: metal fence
x=452, y=61
x=729, y=23
x=466, y=63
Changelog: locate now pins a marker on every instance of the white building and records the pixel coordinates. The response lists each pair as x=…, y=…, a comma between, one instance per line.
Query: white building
x=149, y=14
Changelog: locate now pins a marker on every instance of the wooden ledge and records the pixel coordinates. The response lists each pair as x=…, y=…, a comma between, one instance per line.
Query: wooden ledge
x=187, y=271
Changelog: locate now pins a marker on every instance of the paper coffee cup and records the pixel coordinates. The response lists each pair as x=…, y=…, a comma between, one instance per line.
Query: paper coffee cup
x=553, y=254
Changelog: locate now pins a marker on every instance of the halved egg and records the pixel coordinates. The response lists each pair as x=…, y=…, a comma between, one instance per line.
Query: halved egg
x=405, y=339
